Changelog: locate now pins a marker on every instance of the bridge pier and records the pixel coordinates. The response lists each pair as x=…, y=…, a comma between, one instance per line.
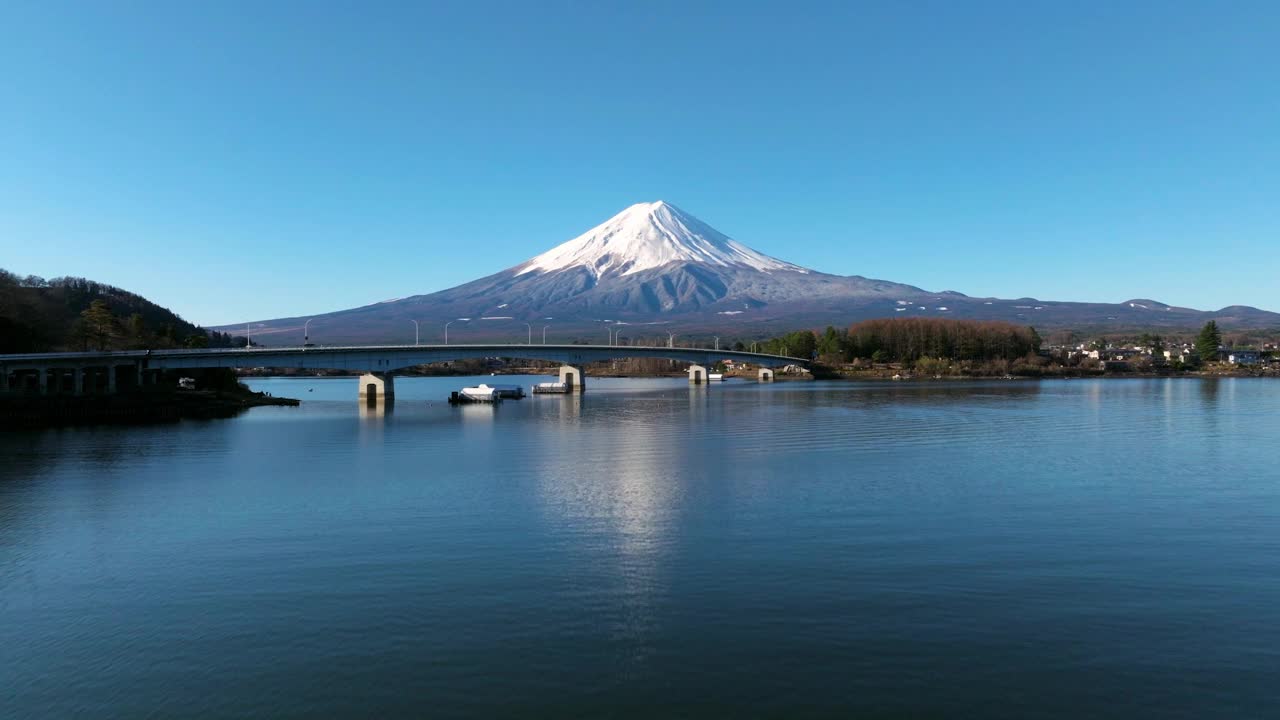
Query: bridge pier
x=4, y=380
x=377, y=388
x=765, y=375
x=573, y=377
x=697, y=374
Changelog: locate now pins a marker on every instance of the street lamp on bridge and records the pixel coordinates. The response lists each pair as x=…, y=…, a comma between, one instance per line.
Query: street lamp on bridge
x=306, y=334
x=415, y=331
x=446, y=327
x=671, y=339
x=530, y=333
x=544, y=334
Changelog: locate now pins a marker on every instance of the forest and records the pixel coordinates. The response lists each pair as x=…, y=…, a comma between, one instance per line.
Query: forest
x=75, y=314
x=909, y=340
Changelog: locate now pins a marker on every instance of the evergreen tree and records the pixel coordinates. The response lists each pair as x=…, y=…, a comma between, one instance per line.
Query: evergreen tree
x=99, y=326
x=830, y=342
x=1208, y=342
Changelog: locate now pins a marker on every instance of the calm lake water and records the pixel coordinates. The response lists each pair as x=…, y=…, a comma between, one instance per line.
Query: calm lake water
x=998, y=549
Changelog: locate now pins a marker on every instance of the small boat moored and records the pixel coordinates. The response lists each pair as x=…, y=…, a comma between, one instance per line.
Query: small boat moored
x=514, y=392
x=478, y=394
x=550, y=387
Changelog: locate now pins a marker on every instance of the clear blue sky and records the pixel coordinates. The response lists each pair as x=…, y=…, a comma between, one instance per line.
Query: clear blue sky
x=252, y=160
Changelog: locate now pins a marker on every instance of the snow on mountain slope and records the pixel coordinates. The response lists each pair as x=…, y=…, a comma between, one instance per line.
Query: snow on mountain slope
x=647, y=236
x=656, y=264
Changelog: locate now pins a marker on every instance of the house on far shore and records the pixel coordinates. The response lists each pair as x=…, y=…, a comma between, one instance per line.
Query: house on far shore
x=1244, y=357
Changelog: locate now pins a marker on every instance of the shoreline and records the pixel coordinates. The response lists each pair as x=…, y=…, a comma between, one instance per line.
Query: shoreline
x=48, y=411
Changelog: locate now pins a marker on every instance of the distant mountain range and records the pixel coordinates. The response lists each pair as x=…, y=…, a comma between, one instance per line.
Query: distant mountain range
x=657, y=268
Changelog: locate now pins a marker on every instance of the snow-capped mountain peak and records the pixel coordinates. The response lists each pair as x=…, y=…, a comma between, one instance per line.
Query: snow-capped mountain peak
x=651, y=235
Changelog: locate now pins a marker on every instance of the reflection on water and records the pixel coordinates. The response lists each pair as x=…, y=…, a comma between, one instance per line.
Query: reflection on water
x=998, y=549
x=621, y=494
x=1209, y=389
x=375, y=410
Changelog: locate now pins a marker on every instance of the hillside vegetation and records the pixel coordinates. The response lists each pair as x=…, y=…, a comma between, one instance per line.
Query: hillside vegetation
x=75, y=314
x=909, y=339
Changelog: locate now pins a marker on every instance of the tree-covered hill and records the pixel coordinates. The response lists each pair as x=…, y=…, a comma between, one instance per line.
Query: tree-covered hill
x=39, y=315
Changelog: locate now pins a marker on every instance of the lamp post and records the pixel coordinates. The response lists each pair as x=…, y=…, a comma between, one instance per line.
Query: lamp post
x=446, y=330
x=717, y=342
x=617, y=338
x=530, y=333
x=306, y=334
x=246, y=336
x=415, y=331
x=544, y=334
x=671, y=339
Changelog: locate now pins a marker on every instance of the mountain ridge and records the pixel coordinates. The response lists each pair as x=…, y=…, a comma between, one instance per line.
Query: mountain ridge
x=653, y=263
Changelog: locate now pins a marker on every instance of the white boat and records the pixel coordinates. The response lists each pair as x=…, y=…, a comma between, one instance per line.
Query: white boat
x=551, y=387
x=514, y=392
x=478, y=394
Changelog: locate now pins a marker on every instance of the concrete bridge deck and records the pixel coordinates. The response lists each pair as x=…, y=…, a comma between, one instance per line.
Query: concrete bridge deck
x=380, y=361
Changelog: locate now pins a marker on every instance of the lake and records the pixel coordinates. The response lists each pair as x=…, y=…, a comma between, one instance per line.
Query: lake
x=1013, y=549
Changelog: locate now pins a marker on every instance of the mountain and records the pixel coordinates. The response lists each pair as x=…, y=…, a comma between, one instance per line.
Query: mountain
x=657, y=268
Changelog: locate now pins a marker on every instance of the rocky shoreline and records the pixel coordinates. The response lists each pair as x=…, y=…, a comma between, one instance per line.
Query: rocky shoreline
x=39, y=411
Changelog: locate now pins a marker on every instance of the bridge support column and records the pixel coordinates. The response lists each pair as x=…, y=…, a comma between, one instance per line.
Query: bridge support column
x=42, y=381
x=765, y=375
x=573, y=377
x=697, y=374
x=111, y=379
x=4, y=380
x=78, y=379
x=376, y=388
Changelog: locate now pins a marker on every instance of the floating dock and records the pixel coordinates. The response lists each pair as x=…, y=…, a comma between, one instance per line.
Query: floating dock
x=552, y=388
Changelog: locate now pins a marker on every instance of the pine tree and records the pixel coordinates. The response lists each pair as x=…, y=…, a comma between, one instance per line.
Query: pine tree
x=99, y=326
x=1208, y=342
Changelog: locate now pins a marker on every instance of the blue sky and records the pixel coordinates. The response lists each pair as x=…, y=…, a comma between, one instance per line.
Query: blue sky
x=240, y=161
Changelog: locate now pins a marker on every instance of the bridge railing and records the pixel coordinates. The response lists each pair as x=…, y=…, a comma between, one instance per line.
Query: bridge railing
x=524, y=348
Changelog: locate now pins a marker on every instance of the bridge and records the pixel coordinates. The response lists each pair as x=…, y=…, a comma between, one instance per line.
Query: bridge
x=106, y=372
